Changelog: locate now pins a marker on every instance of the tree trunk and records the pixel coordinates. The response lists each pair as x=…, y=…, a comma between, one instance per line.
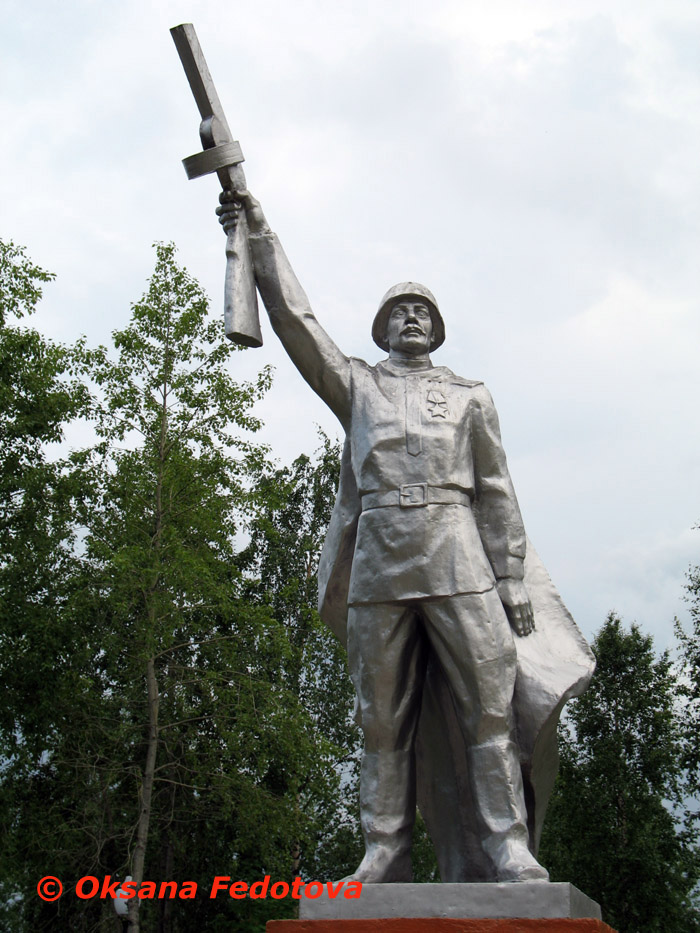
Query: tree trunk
x=146, y=793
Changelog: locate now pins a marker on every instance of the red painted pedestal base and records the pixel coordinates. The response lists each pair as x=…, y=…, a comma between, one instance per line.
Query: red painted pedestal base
x=438, y=925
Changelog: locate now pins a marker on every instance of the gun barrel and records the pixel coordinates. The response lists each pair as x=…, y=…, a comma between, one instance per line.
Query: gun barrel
x=221, y=154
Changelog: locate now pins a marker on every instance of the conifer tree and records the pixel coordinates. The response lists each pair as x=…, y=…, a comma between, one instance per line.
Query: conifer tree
x=164, y=736
x=689, y=651
x=613, y=826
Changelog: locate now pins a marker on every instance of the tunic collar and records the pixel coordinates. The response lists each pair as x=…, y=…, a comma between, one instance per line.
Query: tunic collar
x=405, y=367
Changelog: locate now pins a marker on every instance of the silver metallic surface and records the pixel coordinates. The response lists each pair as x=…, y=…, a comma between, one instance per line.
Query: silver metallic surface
x=428, y=578
x=211, y=160
x=240, y=300
x=406, y=289
x=527, y=901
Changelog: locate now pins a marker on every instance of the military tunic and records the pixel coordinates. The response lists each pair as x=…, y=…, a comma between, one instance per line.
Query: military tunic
x=439, y=515
x=424, y=435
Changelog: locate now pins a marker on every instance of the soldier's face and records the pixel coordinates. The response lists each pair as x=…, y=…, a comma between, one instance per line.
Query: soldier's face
x=410, y=327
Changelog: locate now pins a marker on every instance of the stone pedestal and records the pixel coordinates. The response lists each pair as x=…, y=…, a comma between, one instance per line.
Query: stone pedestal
x=485, y=901
x=441, y=925
x=449, y=908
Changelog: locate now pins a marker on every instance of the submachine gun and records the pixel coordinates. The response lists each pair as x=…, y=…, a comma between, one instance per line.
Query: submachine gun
x=222, y=154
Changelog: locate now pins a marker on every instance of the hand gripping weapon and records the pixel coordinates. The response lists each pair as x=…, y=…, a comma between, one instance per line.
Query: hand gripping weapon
x=223, y=155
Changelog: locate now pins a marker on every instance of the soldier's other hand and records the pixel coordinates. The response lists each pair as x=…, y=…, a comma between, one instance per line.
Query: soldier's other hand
x=232, y=203
x=517, y=605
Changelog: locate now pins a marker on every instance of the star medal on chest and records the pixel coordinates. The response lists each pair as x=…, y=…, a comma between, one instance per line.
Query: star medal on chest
x=437, y=404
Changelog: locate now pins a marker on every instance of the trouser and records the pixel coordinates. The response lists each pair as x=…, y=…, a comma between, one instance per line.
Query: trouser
x=388, y=648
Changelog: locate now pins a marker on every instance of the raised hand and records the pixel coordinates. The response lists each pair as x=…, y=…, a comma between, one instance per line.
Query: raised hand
x=231, y=205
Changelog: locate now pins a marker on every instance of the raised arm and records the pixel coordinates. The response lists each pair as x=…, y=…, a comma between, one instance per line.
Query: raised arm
x=315, y=355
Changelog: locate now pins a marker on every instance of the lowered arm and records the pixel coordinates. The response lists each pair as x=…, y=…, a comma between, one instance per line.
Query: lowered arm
x=498, y=515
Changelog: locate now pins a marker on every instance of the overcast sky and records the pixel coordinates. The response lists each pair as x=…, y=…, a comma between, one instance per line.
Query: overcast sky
x=536, y=164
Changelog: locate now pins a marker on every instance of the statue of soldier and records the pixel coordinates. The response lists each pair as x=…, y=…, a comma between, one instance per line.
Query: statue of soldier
x=422, y=575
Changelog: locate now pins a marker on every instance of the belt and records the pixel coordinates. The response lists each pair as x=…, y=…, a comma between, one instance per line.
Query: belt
x=415, y=495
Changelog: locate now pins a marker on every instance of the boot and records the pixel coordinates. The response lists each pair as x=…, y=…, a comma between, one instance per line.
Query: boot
x=498, y=791
x=387, y=814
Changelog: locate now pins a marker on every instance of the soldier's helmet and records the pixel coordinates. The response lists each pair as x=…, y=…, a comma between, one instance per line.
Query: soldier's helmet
x=407, y=290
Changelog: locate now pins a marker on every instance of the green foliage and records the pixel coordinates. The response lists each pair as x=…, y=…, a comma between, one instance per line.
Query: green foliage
x=173, y=708
x=20, y=288
x=689, y=650
x=38, y=398
x=423, y=858
x=39, y=395
x=612, y=828
x=689, y=662
x=280, y=563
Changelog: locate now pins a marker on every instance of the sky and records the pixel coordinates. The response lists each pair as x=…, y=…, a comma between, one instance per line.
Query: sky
x=534, y=164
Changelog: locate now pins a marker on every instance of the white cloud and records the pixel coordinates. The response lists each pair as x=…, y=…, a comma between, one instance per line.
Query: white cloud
x=535, y=164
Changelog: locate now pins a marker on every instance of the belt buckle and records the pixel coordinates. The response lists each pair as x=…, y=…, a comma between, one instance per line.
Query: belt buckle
x=413, y=495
